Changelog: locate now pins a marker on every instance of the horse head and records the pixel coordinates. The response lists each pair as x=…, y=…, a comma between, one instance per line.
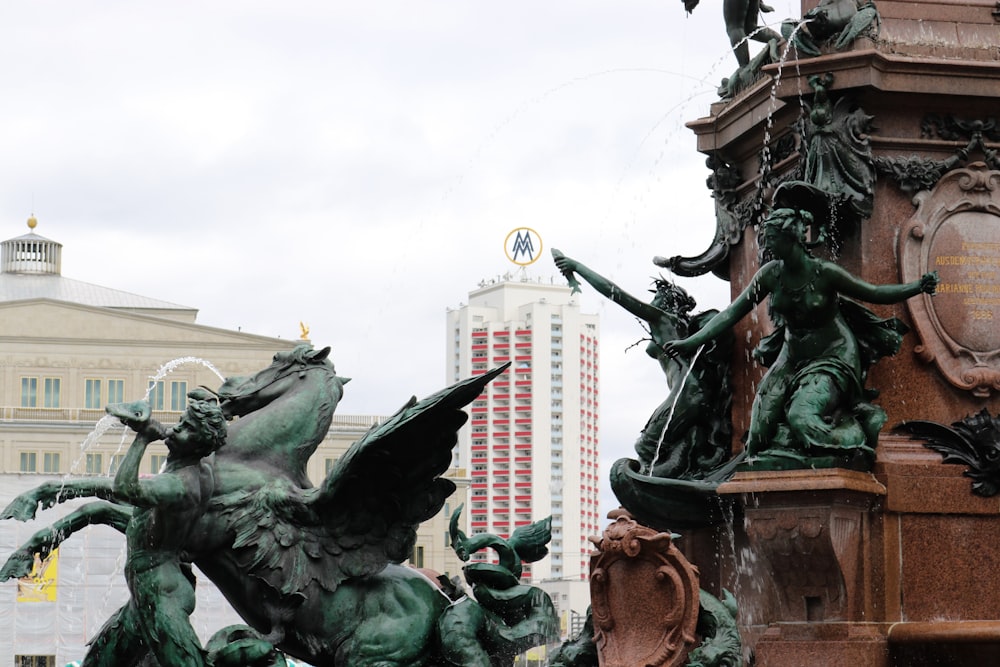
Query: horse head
x=285, y=409
x=288, y=371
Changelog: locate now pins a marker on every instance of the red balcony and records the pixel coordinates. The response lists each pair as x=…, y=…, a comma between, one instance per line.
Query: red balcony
x=520, y=459
x=501, y=445
x=523, y=434
x=501, y=360
x=505, y=459
x=475, y=410
x=480, y=346
x=522, y=357
x=523, y=420
x=479, y=485
x=478, y=524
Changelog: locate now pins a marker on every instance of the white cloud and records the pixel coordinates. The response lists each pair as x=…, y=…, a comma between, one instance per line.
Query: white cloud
x=357, y=166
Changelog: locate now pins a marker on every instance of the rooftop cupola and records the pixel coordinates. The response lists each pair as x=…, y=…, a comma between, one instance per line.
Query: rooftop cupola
x=31, y=253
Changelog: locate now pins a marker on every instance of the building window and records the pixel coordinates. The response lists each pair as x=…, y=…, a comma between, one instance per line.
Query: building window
x=156, y=395
x=92, y=394
x=50, y=462
x=178, y=396
x=95, y=464
x=156, y=462
x=116, y=391
x=29, y=462
x=52, y=391
x=34, y=661
x=116, y=462
x=29, y=392
x=417, y=559
x=329, y=466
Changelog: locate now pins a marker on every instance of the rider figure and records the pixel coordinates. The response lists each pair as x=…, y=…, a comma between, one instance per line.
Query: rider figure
x=156, y=618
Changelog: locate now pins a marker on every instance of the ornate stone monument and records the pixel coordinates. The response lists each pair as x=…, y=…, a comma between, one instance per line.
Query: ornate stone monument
x=880, y=558
x=884, y=566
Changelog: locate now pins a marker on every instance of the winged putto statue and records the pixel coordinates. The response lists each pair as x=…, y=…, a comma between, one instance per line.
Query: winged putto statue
x=315, y=572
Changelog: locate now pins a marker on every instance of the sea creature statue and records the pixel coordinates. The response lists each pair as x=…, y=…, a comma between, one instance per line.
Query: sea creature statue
x=974, y=441
x=314, y=570
x=839, y=22
x=506, y=617
x=811, y=408
x=689, y=436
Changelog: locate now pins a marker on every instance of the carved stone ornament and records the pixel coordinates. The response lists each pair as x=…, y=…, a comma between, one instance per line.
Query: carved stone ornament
x=956, y=232
x=644, y=597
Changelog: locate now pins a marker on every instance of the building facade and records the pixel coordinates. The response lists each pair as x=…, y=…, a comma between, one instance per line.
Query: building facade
x=531, y=445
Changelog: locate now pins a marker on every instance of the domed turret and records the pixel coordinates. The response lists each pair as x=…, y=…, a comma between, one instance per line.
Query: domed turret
x=31, y=253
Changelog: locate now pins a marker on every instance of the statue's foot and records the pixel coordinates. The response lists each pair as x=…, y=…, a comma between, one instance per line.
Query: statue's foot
x=134, y=414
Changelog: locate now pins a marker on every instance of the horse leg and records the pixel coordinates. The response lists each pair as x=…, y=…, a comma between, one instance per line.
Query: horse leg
x=48, y=494
x=45, y=541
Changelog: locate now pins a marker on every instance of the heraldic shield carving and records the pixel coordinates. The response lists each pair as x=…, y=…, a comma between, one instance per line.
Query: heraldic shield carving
x=956, y=232
x=644, y=597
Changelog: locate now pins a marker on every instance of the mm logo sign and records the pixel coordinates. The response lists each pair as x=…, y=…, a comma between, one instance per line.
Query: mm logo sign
x=523, y=246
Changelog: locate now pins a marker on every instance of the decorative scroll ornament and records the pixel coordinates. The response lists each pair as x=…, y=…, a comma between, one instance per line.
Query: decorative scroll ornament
x=644, y=597
x=956, y=232
x=974, y=441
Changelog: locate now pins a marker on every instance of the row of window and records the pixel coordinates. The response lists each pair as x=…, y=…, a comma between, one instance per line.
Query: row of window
x=52, y=463
x=97, y=393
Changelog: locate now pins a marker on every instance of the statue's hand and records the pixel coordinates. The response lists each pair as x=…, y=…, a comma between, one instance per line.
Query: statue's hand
x=929, y=282
x=676, y=348
x=22, y=508
x=18, y=565
x=563, y=263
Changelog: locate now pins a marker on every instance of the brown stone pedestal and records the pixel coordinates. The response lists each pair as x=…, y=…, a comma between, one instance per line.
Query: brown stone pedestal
x=813, y=546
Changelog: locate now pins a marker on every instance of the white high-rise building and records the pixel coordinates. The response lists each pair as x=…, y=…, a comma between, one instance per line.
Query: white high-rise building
x=531, y=445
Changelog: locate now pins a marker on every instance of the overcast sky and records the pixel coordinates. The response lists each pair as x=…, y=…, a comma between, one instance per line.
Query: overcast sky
x=357, y=166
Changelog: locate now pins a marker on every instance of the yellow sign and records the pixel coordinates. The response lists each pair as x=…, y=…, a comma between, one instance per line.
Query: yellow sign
x=40, y=585
x=523, y=246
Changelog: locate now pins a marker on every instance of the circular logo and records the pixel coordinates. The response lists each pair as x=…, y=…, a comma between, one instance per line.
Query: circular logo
x=523, y=246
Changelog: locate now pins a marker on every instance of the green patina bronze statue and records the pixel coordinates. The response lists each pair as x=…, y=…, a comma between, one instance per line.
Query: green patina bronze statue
x=314, y=571
x=689, y=436
x=506, y=617
x=811, y=408
x=682, y=439
x=155, y=619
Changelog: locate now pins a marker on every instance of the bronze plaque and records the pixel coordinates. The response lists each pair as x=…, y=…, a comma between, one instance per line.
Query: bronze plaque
x=956, y=232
